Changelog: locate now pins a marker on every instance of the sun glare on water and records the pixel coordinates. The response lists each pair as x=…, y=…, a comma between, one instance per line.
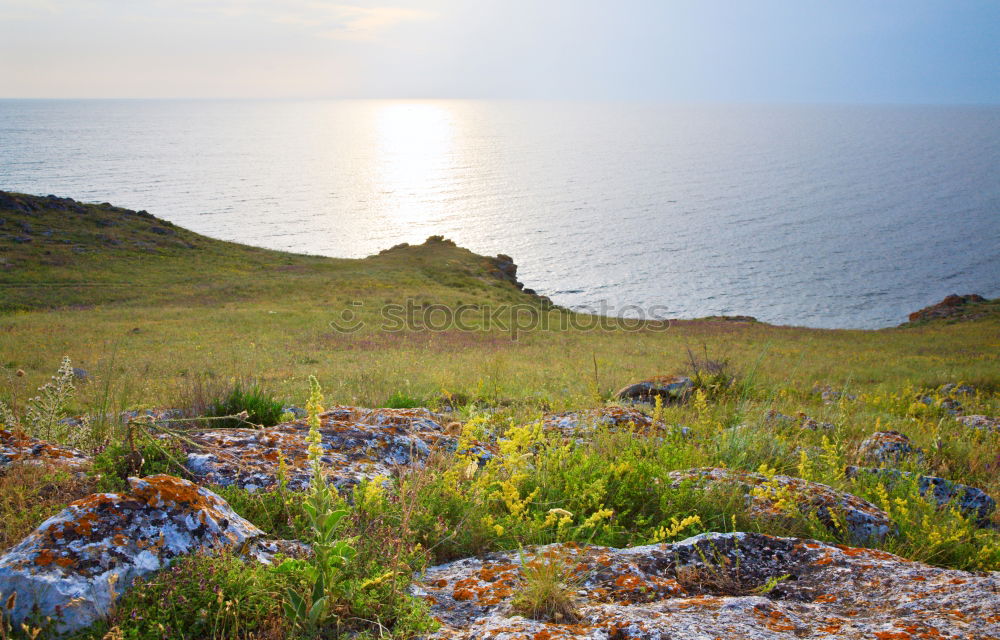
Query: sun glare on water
x=415, y=142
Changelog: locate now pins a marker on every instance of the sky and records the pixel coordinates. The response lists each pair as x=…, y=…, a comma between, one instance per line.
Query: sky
x=826, y=51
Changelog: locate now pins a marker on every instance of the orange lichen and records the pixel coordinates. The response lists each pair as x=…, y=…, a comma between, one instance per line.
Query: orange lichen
x=45, y=557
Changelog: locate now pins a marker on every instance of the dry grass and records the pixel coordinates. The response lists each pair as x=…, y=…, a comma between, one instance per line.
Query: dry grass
x=548, y=590
x=30, y=493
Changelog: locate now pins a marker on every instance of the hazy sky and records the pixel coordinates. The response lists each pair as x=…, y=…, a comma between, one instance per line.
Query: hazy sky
x=925, y=51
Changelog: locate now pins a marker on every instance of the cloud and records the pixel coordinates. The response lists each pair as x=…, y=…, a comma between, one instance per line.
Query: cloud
x=324, y=18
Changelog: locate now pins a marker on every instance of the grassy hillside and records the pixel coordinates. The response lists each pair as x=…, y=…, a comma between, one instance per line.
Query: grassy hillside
x=160, y=317
x=104, y=284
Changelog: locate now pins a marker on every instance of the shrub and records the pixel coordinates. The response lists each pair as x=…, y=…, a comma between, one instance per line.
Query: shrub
x=402, y=400
x=116, y=463
x=260, y=406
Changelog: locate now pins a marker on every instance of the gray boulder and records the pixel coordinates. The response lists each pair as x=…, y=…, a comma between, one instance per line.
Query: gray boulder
x=73, y=566
x=716, y=585
x=970, y=500
x=671, y=390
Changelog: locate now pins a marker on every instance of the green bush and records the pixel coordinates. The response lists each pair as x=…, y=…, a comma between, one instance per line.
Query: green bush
x=260, y=406
x=112, y=466
x=403, y=400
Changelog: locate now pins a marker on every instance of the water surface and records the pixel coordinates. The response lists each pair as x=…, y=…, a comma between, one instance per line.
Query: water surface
x=822, y=216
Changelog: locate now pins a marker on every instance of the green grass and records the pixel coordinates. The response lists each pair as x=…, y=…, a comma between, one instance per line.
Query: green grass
x=261, y=408
x=168, y=319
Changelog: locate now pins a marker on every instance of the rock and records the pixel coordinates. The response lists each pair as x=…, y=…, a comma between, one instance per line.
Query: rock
x=298, y=412
x=980, y=423
x=951, y=405
x=831, y=396
x=672, y=390
x=572, y=424
x=73, y=566
x=505, y=269
x=884, y=447
x=864, y=521
x=15, y=446
x=953, y=389
x=358, y=444
x=951, y=307
x=709, y=587
x=801, y=420
x=970, y=500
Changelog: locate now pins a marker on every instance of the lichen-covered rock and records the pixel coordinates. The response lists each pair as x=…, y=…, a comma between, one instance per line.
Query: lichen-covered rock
x=712, y=586
x=358, y=444
x=864, y=521
x=75, y=563
x=949, y=404
x=15, y=446
x=887, y=447
x=671, y=390
x=970, y=500
x=829, y=395
x=573, y=424
x=981, y=423
x=800, y=420
x=955, y=389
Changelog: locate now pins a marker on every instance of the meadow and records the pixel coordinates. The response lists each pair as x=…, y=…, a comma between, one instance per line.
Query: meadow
x=156, y=317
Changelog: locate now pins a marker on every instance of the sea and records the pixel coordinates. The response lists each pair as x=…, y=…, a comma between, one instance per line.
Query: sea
x=826, y=216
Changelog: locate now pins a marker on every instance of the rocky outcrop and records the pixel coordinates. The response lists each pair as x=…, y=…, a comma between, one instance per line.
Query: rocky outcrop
x=670, y=389
x=969, y=500
x=953, y=306
x=573, y=424
x=829, y=395
x=358, y=444
x=15, y=446
x=717, y=586
x=888, y=447
x=74, y=564
x=980, y=423
x=800, y=420
x=765, y=495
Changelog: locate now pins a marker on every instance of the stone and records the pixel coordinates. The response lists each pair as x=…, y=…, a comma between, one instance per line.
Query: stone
x=74, y=565
x=831, y=396
x=712, y=586
x=949, y=404
x=298, y=412
x=801, y=420
x=577, y=423
x=954, y=389
x=16, y=446
x=980, y=423
x=951, y=306
x=358, y=444
x=885, y=447
x=671, y=389
x=970, y=500
x=864, y=521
